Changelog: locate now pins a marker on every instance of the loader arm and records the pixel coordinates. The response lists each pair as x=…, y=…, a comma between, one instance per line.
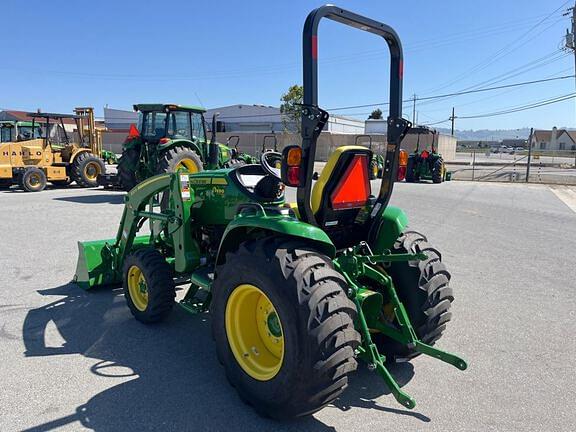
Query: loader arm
x=100, y=262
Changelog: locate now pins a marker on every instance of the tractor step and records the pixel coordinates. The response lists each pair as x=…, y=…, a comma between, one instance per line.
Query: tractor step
x=198, y=297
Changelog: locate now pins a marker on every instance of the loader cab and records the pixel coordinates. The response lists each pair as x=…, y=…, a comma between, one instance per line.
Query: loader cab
x=157, y=123
x=55, y=134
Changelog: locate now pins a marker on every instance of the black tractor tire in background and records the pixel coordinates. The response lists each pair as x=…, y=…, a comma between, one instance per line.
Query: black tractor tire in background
x=438, y=171
x=127, y=168
x=159, y=281
x=410, y=166
x=170, y=159
x=373, y=170
x=317, y=320
x=423, y=288
x=32, y=180
x=86, y=168
x=61, y=183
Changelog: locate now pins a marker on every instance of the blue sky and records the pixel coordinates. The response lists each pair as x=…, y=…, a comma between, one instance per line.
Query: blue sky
x=57, y=55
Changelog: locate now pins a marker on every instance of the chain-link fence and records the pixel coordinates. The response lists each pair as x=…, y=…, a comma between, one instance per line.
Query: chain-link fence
x=536, y=166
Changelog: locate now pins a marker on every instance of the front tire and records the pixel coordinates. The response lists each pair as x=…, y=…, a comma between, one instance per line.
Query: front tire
x=423, y=288
x=148, y=285
x=86, y=168
x=314, y=314
x=32, y=180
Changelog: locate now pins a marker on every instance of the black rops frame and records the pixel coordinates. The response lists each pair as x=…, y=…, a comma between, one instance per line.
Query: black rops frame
x=314, y=118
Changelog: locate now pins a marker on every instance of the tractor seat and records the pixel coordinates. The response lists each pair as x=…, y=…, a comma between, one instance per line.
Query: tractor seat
x=259, y=185
x=343, y=187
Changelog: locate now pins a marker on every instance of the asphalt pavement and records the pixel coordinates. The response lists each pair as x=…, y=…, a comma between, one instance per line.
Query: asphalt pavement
x=73, y=360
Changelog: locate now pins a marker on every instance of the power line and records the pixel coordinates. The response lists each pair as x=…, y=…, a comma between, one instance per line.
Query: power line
x=522, y=107
x=465, y=92
x=520, y=70
x=507, y=49
x=460, y=92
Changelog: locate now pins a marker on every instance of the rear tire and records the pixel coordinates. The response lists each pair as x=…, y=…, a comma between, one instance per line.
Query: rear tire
x=438, y=171
x=423, y=288
x=178, y=158
x=127, y=168
x=86, y=168
x=410, y=170
x=373, y=170
x=32, y=180
x=61, y=183
x=148, y=285
x=316, y=320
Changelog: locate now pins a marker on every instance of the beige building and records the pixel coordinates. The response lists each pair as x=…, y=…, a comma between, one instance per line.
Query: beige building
x=555, y=139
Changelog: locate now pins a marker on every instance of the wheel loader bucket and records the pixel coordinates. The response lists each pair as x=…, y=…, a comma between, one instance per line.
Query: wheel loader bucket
x=96, y=264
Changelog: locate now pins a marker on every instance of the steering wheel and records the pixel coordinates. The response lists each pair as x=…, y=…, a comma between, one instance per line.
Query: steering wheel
x=271, y=162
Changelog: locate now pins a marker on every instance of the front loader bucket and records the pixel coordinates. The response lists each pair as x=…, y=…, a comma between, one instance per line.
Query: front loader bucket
x=96, y=264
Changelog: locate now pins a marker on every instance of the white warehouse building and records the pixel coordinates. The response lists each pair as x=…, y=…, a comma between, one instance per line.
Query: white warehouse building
x=262, y=118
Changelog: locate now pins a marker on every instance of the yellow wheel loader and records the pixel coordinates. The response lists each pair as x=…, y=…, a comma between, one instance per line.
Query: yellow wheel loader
x=54, y=157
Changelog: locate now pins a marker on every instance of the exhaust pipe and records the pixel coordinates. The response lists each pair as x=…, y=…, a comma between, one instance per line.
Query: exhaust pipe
x=213, y=146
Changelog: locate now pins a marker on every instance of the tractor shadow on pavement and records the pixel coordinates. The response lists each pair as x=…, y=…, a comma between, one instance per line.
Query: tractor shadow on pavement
x=164, y=376
x=113, y=198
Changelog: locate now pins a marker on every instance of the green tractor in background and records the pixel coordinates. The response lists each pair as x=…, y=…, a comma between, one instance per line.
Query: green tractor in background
x=12, y=131
x=242, y=157
x=298, y=292
x=425, y=165
x=273, y=148
x=377, y=161
x=168, y=137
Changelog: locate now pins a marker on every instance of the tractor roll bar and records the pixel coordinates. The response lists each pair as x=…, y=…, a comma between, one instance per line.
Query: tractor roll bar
x=274, y=140
x=364, y=136
x=313, y=118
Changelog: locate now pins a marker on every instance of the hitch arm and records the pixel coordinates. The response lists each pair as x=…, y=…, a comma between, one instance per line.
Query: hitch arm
x=368, y=351
x=406, y=334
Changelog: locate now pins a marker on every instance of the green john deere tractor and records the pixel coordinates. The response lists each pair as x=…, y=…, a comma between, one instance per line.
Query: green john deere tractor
x=425, y=165
x=12, y=130
x=298, y=293
x=237, y=154
x=168, y=137
x=376, y=163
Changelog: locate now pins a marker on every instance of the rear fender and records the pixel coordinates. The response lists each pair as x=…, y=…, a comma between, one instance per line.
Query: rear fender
x=77, y=152
x=392, y=224
x=257, y=226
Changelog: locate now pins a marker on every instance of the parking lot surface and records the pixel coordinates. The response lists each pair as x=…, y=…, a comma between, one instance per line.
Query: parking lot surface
x=74, y=360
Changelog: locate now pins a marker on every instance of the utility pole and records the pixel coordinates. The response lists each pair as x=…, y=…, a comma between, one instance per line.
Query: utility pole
x=414, y=109
x=571, y=44
x=529, y=155
x=452, y=117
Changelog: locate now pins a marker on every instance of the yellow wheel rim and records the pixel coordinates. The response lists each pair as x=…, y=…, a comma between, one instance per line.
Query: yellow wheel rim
x=34, y=180
x=137, y=288
x=187, y=164
x=91, y=170
x=254, y=332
